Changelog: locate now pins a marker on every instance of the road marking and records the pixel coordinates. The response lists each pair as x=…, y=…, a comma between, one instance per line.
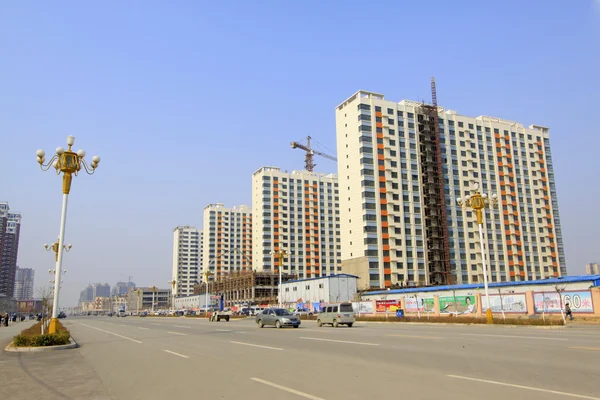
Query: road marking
x=257, y=345
x=223, y=330
x=239, y=332
x=177, y=333
x=141, y=327
x=585, y=348
x=177, y=354
x=579, y=396
x=417, y=337
x=181, y=326
x=339, y=341
x=111, y=333
x=155, y=324
x=287, y=389
x=514, y=337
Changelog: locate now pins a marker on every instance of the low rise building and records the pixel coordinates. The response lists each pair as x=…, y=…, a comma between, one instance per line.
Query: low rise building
x=326, y=289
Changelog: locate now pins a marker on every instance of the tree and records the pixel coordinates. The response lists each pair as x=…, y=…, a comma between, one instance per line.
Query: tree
x=46, y=294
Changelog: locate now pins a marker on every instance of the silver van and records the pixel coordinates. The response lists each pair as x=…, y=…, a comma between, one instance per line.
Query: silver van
x=336, y=314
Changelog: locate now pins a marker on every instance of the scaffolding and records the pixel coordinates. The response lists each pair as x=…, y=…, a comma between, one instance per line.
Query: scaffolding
x=432, y=173
x=246, y=287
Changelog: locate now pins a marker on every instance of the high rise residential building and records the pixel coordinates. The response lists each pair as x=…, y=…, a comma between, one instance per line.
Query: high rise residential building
x=592, y=269
x=298, y=212
x=101, y=290
x=398, y=228
x=24, y=284
x=187, y=250
x=10, y=228
x=121, y=288
x=87, y=295
x=227, y=239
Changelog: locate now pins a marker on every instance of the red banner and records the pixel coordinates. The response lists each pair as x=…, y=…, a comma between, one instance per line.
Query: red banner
x=387, y=305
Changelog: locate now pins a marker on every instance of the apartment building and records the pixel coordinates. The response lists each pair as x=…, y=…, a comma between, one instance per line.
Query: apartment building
x=187, y=256
x=592, y=269
x=298, y=212
x=227, y=239
x=10, y=229
x=398, y=228
x=24, y=284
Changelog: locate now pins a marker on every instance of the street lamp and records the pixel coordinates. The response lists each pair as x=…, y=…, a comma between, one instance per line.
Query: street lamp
x=478, y=202
x=139, y=292
x=207, y=274
x=279, y=254
x=153, y=291
x=172, y=283
x=69, y=163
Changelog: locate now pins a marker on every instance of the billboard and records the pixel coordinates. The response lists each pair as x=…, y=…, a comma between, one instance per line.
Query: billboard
x=387, y=305
x=579, y=301
x=363, y=307
x=510, y=303
x=423, y=304
x=25, y=306
x=457, y=305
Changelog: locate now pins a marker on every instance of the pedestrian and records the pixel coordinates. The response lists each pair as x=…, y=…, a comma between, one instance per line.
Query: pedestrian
x=568, y=311
x=6, y=320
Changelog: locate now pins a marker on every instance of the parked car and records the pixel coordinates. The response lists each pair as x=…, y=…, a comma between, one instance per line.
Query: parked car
x=144, y=314
x=278, y=317
x=304, y=313
x=337, y=314
x=62, y=315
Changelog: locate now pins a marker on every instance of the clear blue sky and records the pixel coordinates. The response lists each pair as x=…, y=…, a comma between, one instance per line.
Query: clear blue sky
x=184, y=100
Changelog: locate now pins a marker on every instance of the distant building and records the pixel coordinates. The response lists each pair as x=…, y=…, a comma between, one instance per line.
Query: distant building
x=90, y=293
x=187, y=252
x=141, y=298
x=227, y=239
x=10, y=228
x=101, y=290
x=592, y=269
x=87, y=295
x=24, y=284
x=121, y=288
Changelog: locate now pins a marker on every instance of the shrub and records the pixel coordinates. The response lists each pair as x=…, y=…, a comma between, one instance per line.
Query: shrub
x=32, y=337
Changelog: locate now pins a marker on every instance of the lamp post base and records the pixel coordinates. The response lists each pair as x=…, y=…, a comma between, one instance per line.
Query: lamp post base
x=53, y=327
x=489, y=319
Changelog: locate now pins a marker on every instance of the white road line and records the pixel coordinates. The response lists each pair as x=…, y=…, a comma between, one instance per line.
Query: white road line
x=177, y=354
x=155, y=324
x=339, y=341
x=239, y=332
x=177, y=333
x=141, y=327
x=287, y=389
x=181, y=326
x=257, y=345
x=579, y=396
x=111, y=333
x=585, y=348
x=415, y=337
x=223, y=330
x=513, y=337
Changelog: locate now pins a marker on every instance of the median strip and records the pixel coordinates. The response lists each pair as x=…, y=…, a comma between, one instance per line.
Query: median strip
x=339, y=341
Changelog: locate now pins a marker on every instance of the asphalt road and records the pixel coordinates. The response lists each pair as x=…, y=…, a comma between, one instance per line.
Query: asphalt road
x=176, y=358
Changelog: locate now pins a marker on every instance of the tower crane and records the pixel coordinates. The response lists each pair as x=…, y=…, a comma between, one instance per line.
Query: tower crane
x=308, y=159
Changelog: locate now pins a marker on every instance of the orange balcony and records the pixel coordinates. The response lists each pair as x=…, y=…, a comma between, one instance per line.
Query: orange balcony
x=386, y=247
x=387, y=271
x=512, y=273
x=378, y=114
x=386, y=259
x=383, y=201
x=379, y=124
x=385, y=235
x=382, y=179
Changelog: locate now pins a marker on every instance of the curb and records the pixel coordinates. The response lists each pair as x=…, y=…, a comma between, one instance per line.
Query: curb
x=72, y=345
x=467, y=324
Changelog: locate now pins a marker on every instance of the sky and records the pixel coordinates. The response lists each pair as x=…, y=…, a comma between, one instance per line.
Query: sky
x=184, y=100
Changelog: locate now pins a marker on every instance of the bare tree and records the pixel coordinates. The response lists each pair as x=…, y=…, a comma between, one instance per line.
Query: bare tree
x=46, y=294
x=501, y=304
x=559, y=290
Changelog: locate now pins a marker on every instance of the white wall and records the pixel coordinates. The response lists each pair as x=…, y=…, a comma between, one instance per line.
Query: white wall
x=328, y=289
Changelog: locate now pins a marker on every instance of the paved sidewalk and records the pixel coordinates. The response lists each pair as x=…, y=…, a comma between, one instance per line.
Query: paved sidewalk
x=47, y=375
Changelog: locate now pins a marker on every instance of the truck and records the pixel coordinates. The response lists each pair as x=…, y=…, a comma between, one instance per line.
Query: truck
x=221, y=314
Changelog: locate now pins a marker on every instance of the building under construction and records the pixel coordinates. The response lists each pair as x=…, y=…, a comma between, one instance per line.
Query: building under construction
x=255, y=288
x=434, y=203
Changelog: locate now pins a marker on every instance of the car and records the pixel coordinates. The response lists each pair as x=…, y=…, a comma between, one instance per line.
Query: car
x=62, y=315
x=278, y=317
x=303, y=313
x=337, y=314
x=144, y=314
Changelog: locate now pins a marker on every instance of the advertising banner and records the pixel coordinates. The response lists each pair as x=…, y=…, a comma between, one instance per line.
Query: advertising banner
x=580, y=302
x=387, y=305
x=510, y=303
x=423, y=304
x=25, y=306
x=363, y=307
x=457, y=305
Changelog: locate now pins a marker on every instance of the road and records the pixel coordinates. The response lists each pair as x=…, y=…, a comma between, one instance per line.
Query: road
x=157, y=358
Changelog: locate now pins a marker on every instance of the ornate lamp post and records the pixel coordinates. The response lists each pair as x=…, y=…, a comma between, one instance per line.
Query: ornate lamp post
x=172, y=283
x=69, y=163
x=280, y=255
x=207, y=274
x=153, y=291
x=478, y=202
